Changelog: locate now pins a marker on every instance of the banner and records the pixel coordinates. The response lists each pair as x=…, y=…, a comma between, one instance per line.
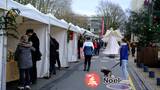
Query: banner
x=102, y=28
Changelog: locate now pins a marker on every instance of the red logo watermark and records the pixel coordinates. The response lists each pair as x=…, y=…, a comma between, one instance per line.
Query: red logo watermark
x=92, y=80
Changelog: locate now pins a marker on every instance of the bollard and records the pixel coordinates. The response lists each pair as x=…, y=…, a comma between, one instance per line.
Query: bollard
x=145, y=69
x=158, y=81
x=141, y=65
x=151, y=74
x=138, y=65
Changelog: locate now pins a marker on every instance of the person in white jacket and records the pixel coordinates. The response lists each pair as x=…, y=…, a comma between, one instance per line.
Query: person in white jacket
x=88, y=50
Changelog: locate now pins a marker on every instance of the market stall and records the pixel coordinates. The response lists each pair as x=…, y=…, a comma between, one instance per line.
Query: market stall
x=42, y=32
x=60, y=35
x=29, y=18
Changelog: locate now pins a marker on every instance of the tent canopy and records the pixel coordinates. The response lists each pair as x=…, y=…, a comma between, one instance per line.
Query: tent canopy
x=73, y=28
x=56, y=22
x=27, y=11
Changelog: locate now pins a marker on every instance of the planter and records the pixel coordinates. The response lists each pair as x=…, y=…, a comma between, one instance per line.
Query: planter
x=140, y=56
x=148, y=56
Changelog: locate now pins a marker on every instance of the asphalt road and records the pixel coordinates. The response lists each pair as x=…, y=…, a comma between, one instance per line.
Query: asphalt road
x=74, y=77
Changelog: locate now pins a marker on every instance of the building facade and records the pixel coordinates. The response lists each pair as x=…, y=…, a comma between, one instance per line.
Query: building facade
x=137, y=4
x=95, y=25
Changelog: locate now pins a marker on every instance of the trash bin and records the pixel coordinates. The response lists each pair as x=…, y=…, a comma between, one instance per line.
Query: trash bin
x=141, y=65
x=145, y=68
x=158, y=81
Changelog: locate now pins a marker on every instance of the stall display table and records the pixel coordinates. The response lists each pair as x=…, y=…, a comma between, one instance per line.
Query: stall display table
x=12, y=72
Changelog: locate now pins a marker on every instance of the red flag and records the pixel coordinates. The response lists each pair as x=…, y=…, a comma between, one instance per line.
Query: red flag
x=102, y=28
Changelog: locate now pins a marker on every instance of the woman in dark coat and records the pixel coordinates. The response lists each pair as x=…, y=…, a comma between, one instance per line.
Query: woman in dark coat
x=36, y=55
x=54, y=55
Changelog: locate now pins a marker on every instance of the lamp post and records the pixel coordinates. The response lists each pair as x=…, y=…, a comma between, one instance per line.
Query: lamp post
x=149, y=4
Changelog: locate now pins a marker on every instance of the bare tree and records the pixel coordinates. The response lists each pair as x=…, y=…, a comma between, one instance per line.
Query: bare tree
x=113, y=12
x=59, y=8
x=56, y=7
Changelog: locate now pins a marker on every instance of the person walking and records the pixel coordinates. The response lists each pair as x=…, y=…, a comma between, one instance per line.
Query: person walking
x=24, y=59
x=133, y=49
x=124, y=59
x=88, y=50
x=80, y=45
x=98, y=47
x=36, y=55
x=95, y=47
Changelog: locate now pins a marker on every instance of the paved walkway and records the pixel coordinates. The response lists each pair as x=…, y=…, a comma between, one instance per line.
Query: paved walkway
x=73, y=77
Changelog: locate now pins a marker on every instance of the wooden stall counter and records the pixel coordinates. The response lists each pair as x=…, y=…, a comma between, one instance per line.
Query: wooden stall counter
x=12, y=72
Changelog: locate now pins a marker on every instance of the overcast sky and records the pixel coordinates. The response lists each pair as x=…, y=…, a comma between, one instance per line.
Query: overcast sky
x=88, y=7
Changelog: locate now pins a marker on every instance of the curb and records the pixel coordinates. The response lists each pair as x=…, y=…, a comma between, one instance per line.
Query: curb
x=140, y=80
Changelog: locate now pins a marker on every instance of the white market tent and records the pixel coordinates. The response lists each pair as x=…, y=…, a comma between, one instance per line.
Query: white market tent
x=112, y=38
x=41, y=28
x=37, y=21
x=60, y=35
x=72, y=44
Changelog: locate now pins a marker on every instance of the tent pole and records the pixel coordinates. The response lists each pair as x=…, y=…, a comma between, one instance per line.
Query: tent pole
x=3, y=55
x=3, y=49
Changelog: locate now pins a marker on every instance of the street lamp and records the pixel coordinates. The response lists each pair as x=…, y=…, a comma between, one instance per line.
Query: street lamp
x=149, y=4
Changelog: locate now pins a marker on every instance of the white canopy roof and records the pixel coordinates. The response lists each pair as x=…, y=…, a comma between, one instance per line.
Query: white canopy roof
x=26, y=10
x=54, y=21
x=73, y=28
x=78, y=28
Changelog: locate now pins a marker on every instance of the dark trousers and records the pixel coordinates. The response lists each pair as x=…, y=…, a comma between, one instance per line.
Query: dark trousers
x=79, y=55
x=95, y=51
x=87, y=62
x=24, y=77
x=33, y=72
x=98, y=51
x=58, y=61
x=52, y=68
x=133, y=52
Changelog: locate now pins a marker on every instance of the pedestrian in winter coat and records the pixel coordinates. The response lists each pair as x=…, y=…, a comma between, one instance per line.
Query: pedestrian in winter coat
x=95, y=47
x=88, y=50
x=133, y=49
x=124, y=59
x=36, y=55
x=54, y=55
x=24, y=59
x=80, y=45
x=98, y=47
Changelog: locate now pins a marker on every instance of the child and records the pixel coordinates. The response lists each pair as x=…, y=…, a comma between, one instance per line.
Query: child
x=24, y=60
